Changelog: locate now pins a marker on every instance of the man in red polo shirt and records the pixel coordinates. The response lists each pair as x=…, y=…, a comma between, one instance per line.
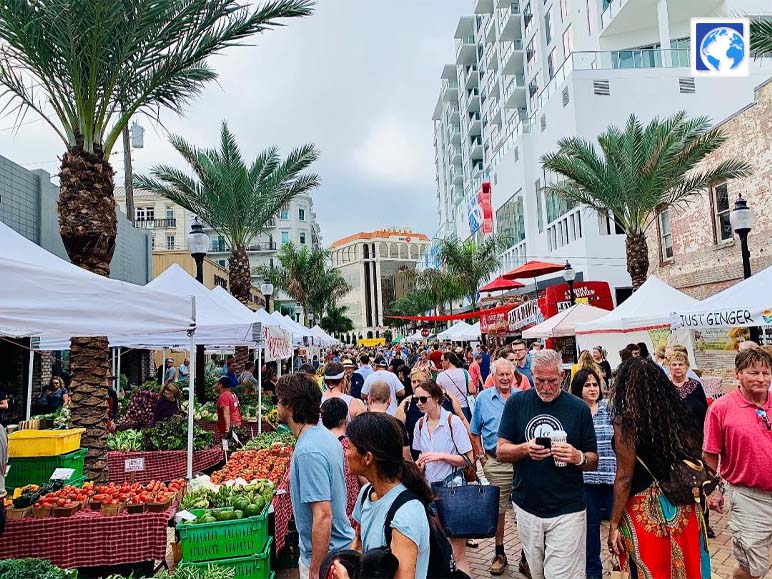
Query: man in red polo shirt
x=436, y=356
x=738, y=443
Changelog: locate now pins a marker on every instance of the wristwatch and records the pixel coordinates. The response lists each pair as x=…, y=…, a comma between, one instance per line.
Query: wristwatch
x=582, y=459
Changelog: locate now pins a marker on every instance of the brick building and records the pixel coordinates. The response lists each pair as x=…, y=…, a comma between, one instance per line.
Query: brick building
x=693, y=248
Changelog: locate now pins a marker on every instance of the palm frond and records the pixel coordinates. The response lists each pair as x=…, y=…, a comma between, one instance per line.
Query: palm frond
x=761, y=37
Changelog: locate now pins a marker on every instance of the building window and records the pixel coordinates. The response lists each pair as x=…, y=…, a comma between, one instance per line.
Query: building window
x=284, y=237
x=548, y=26
x=721, y=212
x=665, y=236
x=169, y=242
x=169, y=212
x=590, y=17
x=301, y=214
x=551, y=63
x=284, y=213
x=144, y=214
x=539, y=210
x=510, y=220
x=568, y=43
x=152, y=242
x=302, y=238
x=564, y=7
x=530, y=54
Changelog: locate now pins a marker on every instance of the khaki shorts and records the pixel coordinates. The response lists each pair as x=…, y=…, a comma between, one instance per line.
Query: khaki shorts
x=500, y=474
x=554, y=548
x=751, y=524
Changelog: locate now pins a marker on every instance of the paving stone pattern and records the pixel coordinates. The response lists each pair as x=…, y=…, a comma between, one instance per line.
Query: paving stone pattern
x=722, y=561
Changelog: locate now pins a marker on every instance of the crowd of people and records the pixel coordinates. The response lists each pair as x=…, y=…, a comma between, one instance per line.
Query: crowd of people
x=385, y=427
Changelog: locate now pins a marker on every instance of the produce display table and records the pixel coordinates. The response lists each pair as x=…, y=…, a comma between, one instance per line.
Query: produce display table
x=88, y=539
x=282, y=509
x=160, y=465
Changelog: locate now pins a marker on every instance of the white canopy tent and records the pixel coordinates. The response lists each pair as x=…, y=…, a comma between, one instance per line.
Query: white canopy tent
x=324, y=337
x=297, y=330
x=416, y=337
x=228, y=301
x=456, y=329
x=470, y=335
x=564, y=323
x=643, y=317
x=746, y=303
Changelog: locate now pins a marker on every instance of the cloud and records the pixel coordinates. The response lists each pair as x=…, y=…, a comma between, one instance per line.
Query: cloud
x=393, y=152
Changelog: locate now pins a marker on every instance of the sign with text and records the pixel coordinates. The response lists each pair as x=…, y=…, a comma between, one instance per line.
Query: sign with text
x=495, y=323
x=722, y=318
x=63, y=474
x=277, y=344
x=134, y=464
x=526, y=315
x=480, y=211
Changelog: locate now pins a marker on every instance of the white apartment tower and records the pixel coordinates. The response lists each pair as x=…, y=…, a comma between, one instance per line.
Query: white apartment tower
x=529, y=73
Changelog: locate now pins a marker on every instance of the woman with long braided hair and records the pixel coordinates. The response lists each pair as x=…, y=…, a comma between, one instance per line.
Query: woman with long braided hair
x=652, y=432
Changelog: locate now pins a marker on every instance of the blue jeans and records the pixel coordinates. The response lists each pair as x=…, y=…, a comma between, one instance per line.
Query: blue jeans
x=598, y=497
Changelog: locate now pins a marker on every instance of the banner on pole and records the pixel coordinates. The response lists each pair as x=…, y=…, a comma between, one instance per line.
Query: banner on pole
x=277, y=343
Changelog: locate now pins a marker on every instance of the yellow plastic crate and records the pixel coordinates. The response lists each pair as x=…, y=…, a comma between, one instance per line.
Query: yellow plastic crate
x=27, y=443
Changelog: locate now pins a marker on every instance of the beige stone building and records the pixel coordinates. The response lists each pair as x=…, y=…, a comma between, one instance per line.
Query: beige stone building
x=168, y=223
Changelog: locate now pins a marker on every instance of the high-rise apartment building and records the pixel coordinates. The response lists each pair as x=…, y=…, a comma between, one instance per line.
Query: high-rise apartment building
x=531, y=72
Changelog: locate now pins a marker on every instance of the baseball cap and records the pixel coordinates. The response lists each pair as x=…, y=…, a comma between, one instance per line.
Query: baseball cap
x=380, y=361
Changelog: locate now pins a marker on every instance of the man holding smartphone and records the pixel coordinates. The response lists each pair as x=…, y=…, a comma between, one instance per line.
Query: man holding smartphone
x=550, y=437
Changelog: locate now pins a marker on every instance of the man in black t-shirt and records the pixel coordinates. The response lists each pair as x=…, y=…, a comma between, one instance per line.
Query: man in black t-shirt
x=549, y=499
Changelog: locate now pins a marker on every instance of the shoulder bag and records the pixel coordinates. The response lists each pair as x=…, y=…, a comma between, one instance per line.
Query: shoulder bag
x=688, y=480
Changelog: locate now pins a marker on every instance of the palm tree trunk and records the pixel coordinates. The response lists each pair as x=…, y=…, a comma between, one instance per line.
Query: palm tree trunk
x=88, y=225
x=240, y=282
x=637, y=258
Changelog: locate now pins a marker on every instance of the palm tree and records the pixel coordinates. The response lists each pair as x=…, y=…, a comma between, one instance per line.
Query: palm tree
x=638, y=172
x=471, y=263
x=439, y=287
x=238, y=201
x=298, y=273
x=335, y=320
x=86, y=67
x=329, y=287
x=761, y=37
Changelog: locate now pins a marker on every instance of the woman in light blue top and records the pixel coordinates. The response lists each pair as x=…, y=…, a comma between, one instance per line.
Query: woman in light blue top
x=598, y=484
x=375, y=452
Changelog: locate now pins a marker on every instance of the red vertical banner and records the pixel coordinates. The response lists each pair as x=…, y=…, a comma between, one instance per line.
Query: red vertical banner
x=487, y=209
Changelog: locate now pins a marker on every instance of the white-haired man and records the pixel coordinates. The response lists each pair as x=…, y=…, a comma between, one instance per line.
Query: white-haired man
x=484, y=427
x=548, y=489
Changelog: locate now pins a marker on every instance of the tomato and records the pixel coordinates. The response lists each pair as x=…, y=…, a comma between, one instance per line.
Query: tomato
x=60, y=502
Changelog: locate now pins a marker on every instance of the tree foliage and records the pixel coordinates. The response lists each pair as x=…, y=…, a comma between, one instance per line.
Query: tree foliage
x=761, y=37
x=639, y=171
x=469, y=264
x=335, y=320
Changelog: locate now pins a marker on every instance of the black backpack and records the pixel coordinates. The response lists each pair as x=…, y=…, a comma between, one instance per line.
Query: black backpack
x=442, y=565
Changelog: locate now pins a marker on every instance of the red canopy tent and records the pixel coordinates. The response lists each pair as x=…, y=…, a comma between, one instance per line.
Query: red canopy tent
x=533, y=269
x=501, y=284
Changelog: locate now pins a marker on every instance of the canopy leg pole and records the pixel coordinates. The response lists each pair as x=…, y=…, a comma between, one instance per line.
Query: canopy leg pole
x=29, y=383
x=118, y=373
x=191, y=402
x=259, y=391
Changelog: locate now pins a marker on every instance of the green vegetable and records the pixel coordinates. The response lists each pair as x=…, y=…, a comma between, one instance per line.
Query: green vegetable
x=266, y=439
x=126, y=441
x=172, y=434
x=33, y=569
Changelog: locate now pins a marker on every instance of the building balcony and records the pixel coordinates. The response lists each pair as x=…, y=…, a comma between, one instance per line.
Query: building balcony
x=512, y=56
x=473, y=100
x=474, y=123
x=465, y=50
x=627, y=59
x=509, y=21
x=449, y=91
x=475, y=148
x=483, y=7
x=515, y=92
x=490, y=29
x=222, y=247
x=155, y=223
x=491, y=60
x=471, y=76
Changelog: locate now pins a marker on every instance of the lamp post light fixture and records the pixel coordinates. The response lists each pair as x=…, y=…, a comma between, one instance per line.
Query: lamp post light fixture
x=298, y=312
x=198, y=244
x=569, y=275
x=267, y=290
x=741, y=219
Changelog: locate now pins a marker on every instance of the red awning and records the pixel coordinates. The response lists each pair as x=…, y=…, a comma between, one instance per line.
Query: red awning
x=462, y=316
x=501, y=284
x=531, y=269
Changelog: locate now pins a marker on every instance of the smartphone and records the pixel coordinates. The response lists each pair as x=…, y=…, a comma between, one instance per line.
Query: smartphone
x=544, y=441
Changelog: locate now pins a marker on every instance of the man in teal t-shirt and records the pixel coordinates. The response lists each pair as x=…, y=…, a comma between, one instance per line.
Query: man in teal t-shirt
x=317, y=481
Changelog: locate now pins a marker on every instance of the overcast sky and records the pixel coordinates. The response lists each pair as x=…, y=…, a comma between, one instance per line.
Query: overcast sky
x=359, y=78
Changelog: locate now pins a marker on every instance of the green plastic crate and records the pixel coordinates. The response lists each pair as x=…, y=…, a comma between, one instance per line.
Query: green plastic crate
x=37, y=470
x=251, y=567
x=76, y=482
x=223, y=539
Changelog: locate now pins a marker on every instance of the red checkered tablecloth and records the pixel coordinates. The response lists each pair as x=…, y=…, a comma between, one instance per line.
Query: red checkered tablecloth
x=282, y=512
x=161, y=464
x=88, y=539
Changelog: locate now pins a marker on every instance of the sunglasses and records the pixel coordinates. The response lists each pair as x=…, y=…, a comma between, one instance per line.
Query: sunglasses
x=422, y=399
x=764, y=418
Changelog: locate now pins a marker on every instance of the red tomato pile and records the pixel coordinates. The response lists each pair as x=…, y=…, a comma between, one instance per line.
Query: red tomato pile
x=250, y=465
x=113, y=494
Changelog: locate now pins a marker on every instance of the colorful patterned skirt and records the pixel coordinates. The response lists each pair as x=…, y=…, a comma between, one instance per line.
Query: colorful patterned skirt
x=663, y=541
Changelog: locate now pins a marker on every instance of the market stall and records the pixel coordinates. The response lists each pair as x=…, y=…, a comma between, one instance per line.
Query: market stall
x=643, y=317
x=326, y=339
x=449, y=334
x=564, y=323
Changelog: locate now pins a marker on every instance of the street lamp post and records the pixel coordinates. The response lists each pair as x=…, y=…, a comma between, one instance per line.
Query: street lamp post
x=267, y=290
x=741, y=219
x=198, y=244
x=570, y=275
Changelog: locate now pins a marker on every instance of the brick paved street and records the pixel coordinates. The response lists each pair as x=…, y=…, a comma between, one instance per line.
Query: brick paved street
x=720, y=550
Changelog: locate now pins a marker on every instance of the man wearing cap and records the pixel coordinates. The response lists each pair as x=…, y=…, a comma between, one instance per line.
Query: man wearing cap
x=359, y=376
x=334, y=380
x=396, y=387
